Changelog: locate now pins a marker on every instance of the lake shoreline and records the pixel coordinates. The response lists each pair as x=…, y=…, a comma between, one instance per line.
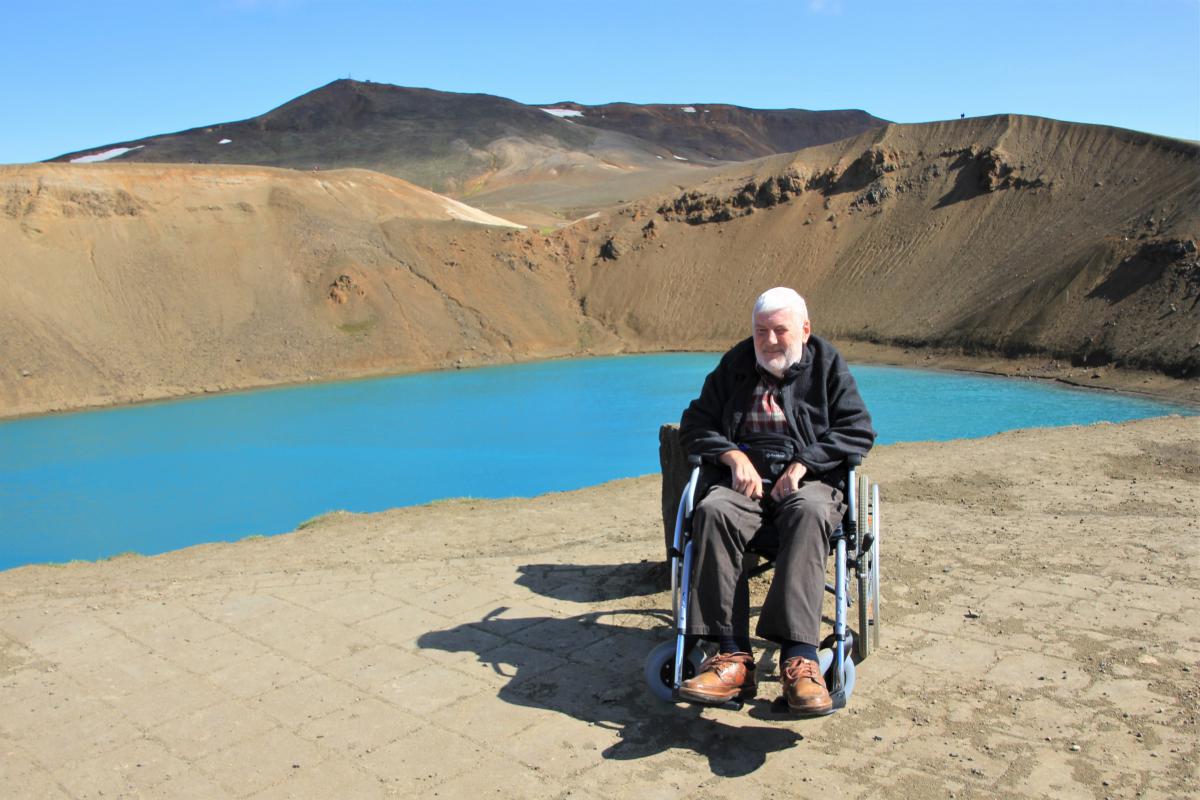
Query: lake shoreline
x=1141, y=383
x=524, y=623
x=154, y=478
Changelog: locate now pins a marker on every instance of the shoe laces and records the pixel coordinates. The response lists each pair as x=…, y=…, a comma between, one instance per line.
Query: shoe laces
x=719, y=660
x=796, y=668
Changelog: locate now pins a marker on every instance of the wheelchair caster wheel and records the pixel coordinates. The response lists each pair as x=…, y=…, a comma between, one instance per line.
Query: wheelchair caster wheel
x=841, y=688
x=659, y=670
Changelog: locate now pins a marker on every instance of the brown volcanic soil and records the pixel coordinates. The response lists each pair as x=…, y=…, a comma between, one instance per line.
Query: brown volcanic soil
x=130, y=282
x=1001, y=236
x=969, y=243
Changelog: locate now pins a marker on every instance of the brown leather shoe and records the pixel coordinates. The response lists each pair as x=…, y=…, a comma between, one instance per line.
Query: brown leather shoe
x=721, y=678
x=804, y=688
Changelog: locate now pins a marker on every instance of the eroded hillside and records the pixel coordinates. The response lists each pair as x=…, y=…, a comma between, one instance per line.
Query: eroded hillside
x=998, y=236
x=1010, y=235
x=129, y=282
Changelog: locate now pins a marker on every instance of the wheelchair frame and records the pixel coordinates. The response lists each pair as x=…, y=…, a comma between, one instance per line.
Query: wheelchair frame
x=855, y=547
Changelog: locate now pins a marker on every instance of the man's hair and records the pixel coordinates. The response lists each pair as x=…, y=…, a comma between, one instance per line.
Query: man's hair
x=777, y=299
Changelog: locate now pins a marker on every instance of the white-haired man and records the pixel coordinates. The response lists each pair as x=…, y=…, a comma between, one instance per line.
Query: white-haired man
x=776, y=420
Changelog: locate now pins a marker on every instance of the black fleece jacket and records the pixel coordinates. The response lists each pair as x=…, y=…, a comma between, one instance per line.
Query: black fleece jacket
x=826, y=416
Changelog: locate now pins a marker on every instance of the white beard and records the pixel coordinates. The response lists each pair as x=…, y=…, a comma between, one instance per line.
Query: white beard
x=777, y=364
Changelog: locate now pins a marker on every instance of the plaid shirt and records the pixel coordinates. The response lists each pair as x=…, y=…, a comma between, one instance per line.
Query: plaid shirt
x=765, y=414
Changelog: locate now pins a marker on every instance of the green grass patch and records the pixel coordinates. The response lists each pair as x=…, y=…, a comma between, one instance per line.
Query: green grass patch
x=442, y=501
x=126, y=554
x=254, y=537
x=586, y=334
x=317, y=520
x=354, y=328
x=76, y=561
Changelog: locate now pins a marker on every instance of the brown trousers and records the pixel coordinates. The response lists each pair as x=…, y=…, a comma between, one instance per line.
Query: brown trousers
x=724, y=523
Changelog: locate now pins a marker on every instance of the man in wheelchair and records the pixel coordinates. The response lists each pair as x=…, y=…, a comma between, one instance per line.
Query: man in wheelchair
x=774, y=423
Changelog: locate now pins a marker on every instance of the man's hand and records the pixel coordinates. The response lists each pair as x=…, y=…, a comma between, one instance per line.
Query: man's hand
x=745, y=477
x=789, y=481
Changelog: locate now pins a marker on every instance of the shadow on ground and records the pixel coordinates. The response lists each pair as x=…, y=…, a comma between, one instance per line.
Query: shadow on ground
x=589, y=666
x=593, y=583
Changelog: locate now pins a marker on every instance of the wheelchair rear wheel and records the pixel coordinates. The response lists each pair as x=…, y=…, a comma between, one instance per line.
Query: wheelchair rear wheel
x=863, y=504
x=876, y=599
x=868, y=568
x=862, y=642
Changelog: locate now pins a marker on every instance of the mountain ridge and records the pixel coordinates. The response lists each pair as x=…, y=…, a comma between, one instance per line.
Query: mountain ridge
x=468, y=143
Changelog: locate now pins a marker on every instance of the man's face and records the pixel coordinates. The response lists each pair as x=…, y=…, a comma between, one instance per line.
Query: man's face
x=779, y=339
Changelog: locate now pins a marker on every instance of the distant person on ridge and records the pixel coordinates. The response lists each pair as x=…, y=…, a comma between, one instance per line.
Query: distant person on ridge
x=773, y=423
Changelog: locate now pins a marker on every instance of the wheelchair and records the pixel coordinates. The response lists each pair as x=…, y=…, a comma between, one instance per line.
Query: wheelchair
x=855, y=547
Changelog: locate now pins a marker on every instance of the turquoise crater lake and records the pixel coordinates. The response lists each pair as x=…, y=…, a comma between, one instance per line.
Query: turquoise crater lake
x=158, y=477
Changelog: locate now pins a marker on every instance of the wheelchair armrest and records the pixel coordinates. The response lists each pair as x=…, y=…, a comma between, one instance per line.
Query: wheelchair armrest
x=853, y=460
x=695, y=461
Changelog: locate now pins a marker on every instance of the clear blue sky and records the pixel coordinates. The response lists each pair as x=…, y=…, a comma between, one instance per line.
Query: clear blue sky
x=83, y=74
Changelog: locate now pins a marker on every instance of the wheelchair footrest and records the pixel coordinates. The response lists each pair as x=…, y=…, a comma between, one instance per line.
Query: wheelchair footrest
x=780, y=707
x=736, y=704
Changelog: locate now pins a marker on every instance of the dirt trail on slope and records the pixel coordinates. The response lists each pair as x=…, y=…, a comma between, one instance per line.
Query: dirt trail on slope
x=1041, y=589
